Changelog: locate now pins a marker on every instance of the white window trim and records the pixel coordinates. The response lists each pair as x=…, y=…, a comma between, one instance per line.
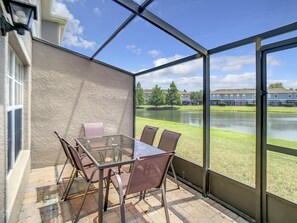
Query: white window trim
x=13, y=108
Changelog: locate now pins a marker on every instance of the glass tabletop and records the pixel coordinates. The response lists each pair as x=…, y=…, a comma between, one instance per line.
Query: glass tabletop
x=114, y=150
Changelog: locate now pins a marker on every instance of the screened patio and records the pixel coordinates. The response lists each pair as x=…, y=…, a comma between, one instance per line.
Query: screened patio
x=234, y=173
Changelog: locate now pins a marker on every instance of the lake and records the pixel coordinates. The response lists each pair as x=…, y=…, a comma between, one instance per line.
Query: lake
x=280, y=125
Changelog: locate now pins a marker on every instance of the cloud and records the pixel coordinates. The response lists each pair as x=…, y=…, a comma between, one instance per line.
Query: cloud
x=154, y=53
x=74, y=32
x=237, y=63
x=165, y=60
x=72, y=1
x=139, y=2
x=272, y=61
x=134, y=49
x=188, y=75
x=231, y=63
x=97, y=11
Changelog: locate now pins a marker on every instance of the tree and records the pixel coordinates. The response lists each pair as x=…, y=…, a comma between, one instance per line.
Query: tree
x=172, y=96
x=276, y=85
x=196, y=96
x=139, y=95
x=157, y=97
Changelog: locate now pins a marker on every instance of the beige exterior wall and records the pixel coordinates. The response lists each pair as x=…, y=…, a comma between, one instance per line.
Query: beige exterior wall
x=12, y=184
x=68, y=90
x=3, y=70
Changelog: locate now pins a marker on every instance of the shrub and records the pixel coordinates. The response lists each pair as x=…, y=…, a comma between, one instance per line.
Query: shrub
x=288, y=105
x=251, y=104
x=222, y=104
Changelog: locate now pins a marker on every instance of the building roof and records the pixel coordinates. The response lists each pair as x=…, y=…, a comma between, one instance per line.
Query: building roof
x=252, y=91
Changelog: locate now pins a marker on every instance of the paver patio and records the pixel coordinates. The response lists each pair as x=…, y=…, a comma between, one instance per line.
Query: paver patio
x=42, y=203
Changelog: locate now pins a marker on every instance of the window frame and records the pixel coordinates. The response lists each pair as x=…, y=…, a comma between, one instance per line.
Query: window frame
x=14, y=102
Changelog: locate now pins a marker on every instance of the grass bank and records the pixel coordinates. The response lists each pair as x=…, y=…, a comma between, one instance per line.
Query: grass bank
x=219, y=108
x=232, y=154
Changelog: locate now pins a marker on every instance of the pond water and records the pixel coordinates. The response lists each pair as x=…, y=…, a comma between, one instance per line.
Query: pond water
x=280, y=125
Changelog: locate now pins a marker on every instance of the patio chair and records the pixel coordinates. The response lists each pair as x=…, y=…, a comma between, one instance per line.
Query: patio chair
x=168, y=142
x=147, y=172
x=148, y=134
x=86, y=161
x=90, y=174
x=93, y=129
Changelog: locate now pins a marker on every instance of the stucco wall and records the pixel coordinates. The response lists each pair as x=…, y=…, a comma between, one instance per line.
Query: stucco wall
x=68, y=90
x=50, y=31
x=3, y=68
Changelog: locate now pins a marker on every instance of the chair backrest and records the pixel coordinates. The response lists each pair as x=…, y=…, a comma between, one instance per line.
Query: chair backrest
x=93, y=129
x=148, y=134
x=64, y=146
x=148, y=172
x=76, y=159
x=168, y=140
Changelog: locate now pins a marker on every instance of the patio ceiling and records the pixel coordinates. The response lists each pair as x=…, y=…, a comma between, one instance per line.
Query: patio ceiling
x=130, y=22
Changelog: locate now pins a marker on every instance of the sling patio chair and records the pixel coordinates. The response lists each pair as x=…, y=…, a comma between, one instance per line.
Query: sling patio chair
x=93, y=129
x=147, y=173
x=90, y=174
x=168, y=143
x=148, y=134
x=86, y=161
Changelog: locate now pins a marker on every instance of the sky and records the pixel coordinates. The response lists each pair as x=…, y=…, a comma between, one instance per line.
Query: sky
x=211, y=23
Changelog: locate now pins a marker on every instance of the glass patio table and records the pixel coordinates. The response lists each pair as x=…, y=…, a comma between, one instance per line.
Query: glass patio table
x=113, y=151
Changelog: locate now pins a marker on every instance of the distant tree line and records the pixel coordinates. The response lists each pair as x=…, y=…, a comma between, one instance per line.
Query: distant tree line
x=171, y=97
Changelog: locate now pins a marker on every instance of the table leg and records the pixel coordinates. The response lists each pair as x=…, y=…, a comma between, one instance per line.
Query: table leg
x=100, y=196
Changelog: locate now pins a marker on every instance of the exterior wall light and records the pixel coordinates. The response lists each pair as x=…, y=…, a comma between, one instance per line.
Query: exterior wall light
x=21, y=15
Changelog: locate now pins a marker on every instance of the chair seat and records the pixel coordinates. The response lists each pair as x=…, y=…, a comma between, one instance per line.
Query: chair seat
x=89, y=171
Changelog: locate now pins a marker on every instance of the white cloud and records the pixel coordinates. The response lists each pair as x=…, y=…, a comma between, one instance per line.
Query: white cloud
x=97, y=11
x=189, y=75
x=139, y=2
x=74, y=32
x=165, y=60
x=72, y=1
x=232, y=81
x=231, y=63
x=236, y=78
x=236, y=63
x=272, y=61
x=154, y=53
x=134, y=49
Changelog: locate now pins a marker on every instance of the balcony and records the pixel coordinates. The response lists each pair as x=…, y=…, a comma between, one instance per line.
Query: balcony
x=238, y=144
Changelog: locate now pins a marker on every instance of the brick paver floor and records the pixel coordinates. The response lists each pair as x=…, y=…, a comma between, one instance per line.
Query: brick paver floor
x=42, y=203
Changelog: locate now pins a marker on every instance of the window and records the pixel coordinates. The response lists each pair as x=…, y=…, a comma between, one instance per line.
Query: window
x=290, y=95
x=14, y=109
x=275, y=95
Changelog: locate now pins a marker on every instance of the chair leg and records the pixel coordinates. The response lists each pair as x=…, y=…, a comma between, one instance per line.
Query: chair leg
x=64, y=197
x=142, y=195
x=122, y=204
x=164, y=201
x=174, y=174
x=107, y=191
x=62, y=171
x=82, y=203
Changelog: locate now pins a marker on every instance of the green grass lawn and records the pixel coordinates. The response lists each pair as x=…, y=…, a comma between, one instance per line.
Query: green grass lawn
x=232, y=154
x=222, y=109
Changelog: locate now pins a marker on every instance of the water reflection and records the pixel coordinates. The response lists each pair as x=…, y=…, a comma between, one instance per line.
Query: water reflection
x=280, y=125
